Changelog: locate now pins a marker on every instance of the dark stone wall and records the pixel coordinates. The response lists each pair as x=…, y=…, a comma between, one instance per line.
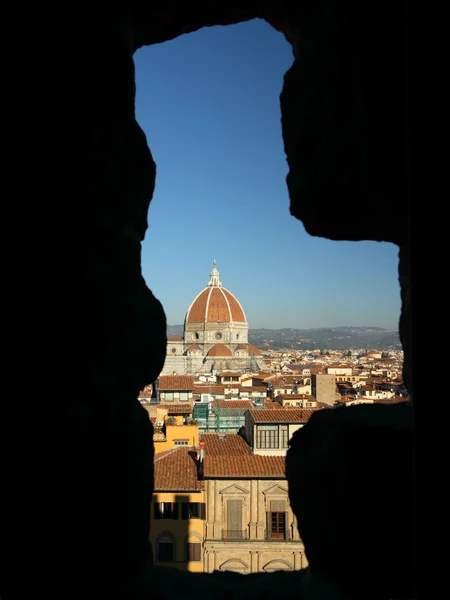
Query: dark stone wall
x=83, y=522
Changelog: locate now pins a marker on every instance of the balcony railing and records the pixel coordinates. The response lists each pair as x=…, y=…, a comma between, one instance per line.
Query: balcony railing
x=234, y=534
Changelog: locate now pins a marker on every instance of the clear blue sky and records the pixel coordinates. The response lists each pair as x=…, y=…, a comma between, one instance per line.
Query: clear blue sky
x=208, y=103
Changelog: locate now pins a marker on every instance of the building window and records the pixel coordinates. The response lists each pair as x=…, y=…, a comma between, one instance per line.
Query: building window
x=184, y=396
x=193, y=510
x=166, y=551
x=277, y=526
x=165, y=510
x=218, y=336
x=267, y=436
x=196, y=335
x=174, y=350
x=276, y=520
x=234, y=529
x=194, y=551
x=284, y=436
x=168, y=396
x=181, y=442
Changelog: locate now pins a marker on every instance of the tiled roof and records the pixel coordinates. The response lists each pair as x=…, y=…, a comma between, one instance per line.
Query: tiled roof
x=295, y=415
x=297, y=397
x=394, y=400
x=230, y=373
x=175, y=470
x=219, y=350
x=252, y=349
x=246, y=466
x=175, y=338
x=232, y=403
x=182, y=408
x=208, y=388
x=272, y=405
x=176, y=382
x=253, y=388
x=232, y=445
x=193, y=347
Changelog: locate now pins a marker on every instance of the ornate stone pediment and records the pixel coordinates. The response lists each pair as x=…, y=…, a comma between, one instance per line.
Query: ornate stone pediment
x=234, y=490
x=276, y=490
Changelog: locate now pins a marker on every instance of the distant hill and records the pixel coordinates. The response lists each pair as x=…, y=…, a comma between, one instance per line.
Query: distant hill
x=326, y=338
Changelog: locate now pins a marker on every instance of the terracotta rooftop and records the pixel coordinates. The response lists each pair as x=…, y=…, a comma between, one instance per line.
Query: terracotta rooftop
x=295, y=415
x=219, y=350
x=393, y=400
x=230, y=373
x=175, y=470
x=252, y=349
x=245, y=466
x=308, y=397
x=232, y=445
x=182, y=408
x=273, y=405
x=208, y=389
x=193, y=347
x=176, y=382
x=175, y=338
x=232, y=403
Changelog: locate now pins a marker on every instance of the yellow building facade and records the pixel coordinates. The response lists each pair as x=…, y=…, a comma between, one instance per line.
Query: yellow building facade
x=177, y=526
x=178, y=512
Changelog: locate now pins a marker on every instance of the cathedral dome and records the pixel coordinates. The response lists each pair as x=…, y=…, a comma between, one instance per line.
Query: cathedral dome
x=215, y=304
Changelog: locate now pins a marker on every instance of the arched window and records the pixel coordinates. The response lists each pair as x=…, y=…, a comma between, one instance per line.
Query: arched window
x=193, y=548
x=165, y=547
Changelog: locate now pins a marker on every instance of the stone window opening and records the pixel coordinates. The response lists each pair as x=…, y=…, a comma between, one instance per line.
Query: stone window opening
x=193, y=510
x=277, y=521
x=165, y=548
x=165, y=510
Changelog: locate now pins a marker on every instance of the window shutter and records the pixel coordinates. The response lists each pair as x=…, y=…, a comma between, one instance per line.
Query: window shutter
x=156, y=510
x=234, y=515
x=203, y=511
x=268, y=524
x=185, y=510
x=193, y=551
x=197, y=548
x=287, y=526
x=175, y=510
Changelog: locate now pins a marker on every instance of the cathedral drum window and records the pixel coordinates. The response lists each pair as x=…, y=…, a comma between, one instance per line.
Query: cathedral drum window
x=174, y=350
x=196, y=335
x=218, y=336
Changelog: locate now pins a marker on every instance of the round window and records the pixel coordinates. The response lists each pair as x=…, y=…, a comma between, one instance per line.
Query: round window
x=174, y=350
x=196, y=335
x=218, y=336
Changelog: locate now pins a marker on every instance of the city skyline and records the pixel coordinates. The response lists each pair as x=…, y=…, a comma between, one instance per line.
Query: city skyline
x=208, y=103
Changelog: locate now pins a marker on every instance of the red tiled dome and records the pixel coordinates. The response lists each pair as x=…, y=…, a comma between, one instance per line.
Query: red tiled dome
x=215, y=304
x=219, y=350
